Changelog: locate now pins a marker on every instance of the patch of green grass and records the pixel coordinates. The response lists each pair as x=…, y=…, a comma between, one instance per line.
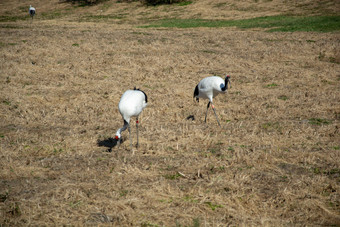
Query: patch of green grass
x=213, y=206
x=213, y=151
x=75, y=45
x=270, y=23
x=6, y=102
x=334, y=60
x=141, y=33
x=168, y=148
x=3, y=197
x=283, y=178
x=316, y=170
x=15, y=209
x=147, y=224
x=319, y=121
x=321, y=56
x=123, y=193
x=52, y=15
x=221, y=4
x=57, y=151
x=106, y=6
x=12, y=18
x=104, y=17
x=332, y=172
x=172, y=176
x=75, y=204
x=166, y=201
x=23, y=8
x=184, y=3
x=9, y=26
x=190, y=199
x=270, y=126
x=195, y=223
x=231, y=149
x=283, y=97
x=209, y=51
x=267, y=125
x=272, y=85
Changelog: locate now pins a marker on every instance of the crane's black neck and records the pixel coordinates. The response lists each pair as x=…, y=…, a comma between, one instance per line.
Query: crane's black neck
x=126, y=124
x=226, y=81
x=196, y=93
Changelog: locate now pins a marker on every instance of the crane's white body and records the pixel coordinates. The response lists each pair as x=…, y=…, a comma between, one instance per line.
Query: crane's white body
x=31, y=11
x=131, y=104
x=210, y=87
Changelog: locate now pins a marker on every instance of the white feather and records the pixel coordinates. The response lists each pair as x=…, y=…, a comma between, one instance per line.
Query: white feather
x=131, y=104
x=210, y=87
x=31, y=11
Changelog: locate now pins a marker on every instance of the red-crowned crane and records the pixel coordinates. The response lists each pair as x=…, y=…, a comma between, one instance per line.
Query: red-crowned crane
x=31, y=11
x=210, y=87
x=131, y=104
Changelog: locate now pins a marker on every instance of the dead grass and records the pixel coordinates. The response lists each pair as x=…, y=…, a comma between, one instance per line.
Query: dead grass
x=268, y=165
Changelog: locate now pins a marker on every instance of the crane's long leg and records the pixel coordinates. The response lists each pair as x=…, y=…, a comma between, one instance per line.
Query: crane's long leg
x=137, y=122
x=213, y=107
x=206, y=113
x=130, y=136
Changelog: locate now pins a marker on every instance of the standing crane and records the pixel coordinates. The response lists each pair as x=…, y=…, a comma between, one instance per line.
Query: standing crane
x=210, y=87
x=130, y=105
x=31, y=11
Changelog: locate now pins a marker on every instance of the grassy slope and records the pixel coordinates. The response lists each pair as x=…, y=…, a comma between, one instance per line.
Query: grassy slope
x=135, y=12
x=274, y=162
x=272, y=24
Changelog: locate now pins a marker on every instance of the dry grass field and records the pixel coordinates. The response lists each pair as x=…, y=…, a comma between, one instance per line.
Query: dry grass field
x=274, y=162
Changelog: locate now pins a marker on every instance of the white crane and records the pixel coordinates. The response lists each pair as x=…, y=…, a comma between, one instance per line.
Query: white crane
x=31, y=11
x=130, y=105
x=210, y=87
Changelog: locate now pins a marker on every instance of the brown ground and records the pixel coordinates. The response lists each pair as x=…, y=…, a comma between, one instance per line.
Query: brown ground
x=274, y=162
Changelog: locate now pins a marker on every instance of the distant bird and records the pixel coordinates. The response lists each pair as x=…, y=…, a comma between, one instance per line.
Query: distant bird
x=31, y=11
x=210, y=87
x=130, y=105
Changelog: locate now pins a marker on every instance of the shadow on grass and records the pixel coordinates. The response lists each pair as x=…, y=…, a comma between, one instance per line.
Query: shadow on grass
x=109, y=143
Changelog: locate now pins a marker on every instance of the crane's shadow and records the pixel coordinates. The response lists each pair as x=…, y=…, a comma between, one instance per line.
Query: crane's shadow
x=109, y=143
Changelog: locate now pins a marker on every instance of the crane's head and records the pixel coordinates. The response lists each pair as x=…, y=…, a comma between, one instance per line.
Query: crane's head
x=117, y=139
x=118, y=135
